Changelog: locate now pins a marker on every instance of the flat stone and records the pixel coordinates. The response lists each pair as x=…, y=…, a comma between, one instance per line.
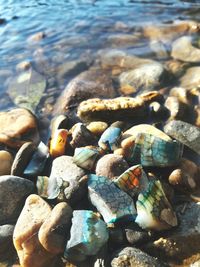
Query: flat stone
x=88, y=84
x=132, y=257
x=185, y=133
x=183, y=49
x=66, y=180
x=6, y=233
x=191, y=78
x=25, y=237
x=13, y=191
x=54, y=231
x=111, y=166
x=6, y=160
x=22, y=158
x=183, y=242
x=17, y=127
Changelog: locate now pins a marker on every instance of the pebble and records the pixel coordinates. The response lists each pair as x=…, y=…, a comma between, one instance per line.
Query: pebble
x=111, y=166
x=181, y=94
x=123, y=40
x=53, y=232
x=66, y=180
x=6, y=244
x=24, y=65
x=13, y=190
x=191, y=78
x=25, y=237
x=97, y=127
x=36, y=37
x=132, y=257
x=183, y=49
x=15, y=125
x=185, y=133
x=22, y=158
x=6, y=160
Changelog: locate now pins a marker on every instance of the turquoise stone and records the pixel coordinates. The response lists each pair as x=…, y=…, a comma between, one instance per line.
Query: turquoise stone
x=150, y=150
x=111, y=202
x=87, y=235
x=110, y=139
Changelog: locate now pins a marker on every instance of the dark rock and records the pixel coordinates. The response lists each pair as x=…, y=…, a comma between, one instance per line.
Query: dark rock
x=134, y=257
x=135, y=235
x=6, y=243
x=2, y=21
x=185, y=133
x=111, y=166
x=13, y=191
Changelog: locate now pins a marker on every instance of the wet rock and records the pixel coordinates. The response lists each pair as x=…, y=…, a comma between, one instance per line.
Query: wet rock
x=81, y=136
x=123, y=40
x=181, y=94
x=175, y=67
x=159, y=48
x=183, y=242
x=22, y=158
x=58, y=142
x=112, y=109
x=88, y=234
x=111, y=166
x=54, y=231
x=134, y=257
x=143, y=78
x=36, y=37
x=191, y=78
x=6, y=160
x=135, y=235
x=186, y=177
x=66, y=181
x=17, y=127
x=27, y=89
x=23, y=66
x=97, y=127
x=183, y=49
x=6, y=244
x=185, y=133
x=112, y=203
x=13, y=191
x=25, y=237
x=2, y=21
x=89, y=84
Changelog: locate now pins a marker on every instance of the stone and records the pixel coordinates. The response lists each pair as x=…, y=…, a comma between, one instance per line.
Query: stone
x=22, y=158
x=159, y=48
x=17, y=127
x=23, y=66
x=144, y=78
x=36, y=37
x=27, y=89
x=135, y=235
x=88, y=84
x=111, y=165
x=191, y=78
x=6, y=160
x=110, y=110
x=123, y=40
x=87, y=235
x=181, y=94
x=112, y=203
x=25, y=237
x=183, y=242
x=6, y=244
x=185, y=133
x=13, y=191
x=97, y=127
x=132, y=257
x=176, y=67
x=66, y=181
x=53, y=233
x=183, y=49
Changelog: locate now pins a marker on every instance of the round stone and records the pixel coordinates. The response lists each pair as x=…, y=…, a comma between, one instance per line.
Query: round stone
x=6, y=160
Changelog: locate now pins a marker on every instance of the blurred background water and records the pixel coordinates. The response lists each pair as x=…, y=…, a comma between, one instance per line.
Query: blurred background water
x=76, y=28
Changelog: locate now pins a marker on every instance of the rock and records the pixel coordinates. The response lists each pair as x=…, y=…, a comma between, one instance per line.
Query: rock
x=123, y=40
x=88, y=234
x=13, y=191
x=97, y=127
x=191, y=78
x=23, y=66
x=22, y=158
x=182, y=49
x=185, y=133
x=195, y=264
x=111, y=166
x=183, y=242
x=38, y=36
x=66, y=181
x=144, y=78
x=27, y=89
x=6, y=160
x=159, y=48
x=132, y=257
x=25, y=237
x=113, y=109
x=2, y=21
x=175, y=67
x=181, y=94
x=6, y=244
x=54, y=231
x=17, y=127
x=88, y=84
x=197, y=115
x=135, y=235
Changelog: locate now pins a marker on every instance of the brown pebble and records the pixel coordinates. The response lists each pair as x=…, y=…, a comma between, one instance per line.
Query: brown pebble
x=6, y=160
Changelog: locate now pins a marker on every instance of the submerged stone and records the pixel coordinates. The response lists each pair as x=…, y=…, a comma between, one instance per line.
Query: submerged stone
x=110, y=201
x=88, y=234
